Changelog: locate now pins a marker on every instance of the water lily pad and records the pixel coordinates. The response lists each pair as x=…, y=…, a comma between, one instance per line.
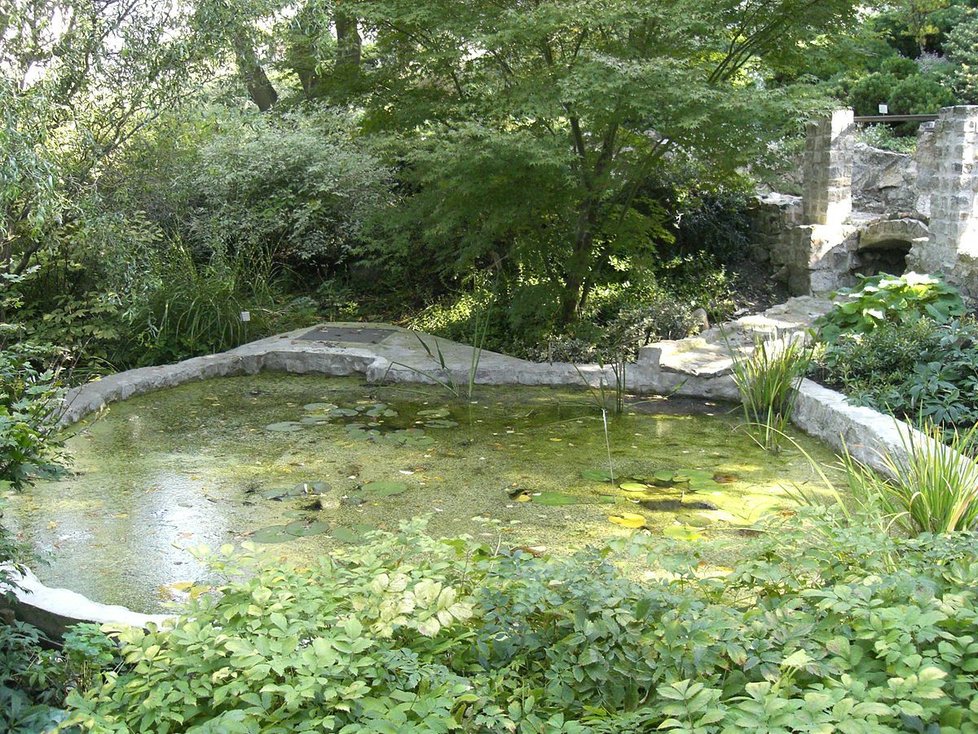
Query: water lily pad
x=628, y=520
x=319, y=407
x=664, y=477
x=314, y=420
x=434, y=413
x=441, y=423
x=285, y=533
x=596, y=475
x=343, y=412
x=351, y=535
x=384, y=489
x=721, y=478
x=284, y=427
x=304, y=529
x=634, y=487
x=682, y=532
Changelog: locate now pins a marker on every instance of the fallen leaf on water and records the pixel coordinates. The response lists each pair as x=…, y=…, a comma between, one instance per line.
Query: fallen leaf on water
x=628, y=520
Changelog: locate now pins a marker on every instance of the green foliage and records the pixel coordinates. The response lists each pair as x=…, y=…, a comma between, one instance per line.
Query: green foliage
x=30, y=401
x=193, y=308
x=899, y=67
x=919, y=95
x=887, y=298
x=883, y=137
x=294, y=184
x=533, y=152
x=869, y=92
x=915, y=370
x=831, y=627
x=962, y=50
x=767, y=380
x=34, y=679
x=933, y=489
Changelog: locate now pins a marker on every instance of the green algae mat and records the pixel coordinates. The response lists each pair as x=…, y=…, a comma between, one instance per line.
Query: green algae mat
x=300, y=464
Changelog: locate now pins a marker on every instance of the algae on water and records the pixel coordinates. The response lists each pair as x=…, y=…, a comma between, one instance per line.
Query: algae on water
x=303, y=463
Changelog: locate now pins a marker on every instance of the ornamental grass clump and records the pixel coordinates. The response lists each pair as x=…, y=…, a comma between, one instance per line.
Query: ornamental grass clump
x=768, y=381
x=933, y=487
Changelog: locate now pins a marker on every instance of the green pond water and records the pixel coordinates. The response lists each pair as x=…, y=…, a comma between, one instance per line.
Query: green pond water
x=300, y=464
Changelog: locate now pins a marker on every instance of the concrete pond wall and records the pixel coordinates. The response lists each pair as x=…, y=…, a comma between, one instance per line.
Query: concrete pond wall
x=695, y=367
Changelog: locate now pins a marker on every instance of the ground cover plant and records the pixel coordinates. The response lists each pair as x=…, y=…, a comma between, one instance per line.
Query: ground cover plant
x=903, y=345
x=845, y=628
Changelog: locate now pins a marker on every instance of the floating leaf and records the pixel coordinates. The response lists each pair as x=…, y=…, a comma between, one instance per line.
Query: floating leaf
x=319, y=407
x=628, y=520
x=693, y=476
x=344, y=412
x=285, y=533
x=682, y=532
x=314, y=420
x=596, y=475
x=304, y=529
x=385, y=489
x=556, y=499
x=351, y=535
x=439, y=423
x=434, y=413
x=284, y=427
x=634, y=487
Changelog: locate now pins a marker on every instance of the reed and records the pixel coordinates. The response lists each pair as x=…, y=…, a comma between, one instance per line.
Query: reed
x=768, y=380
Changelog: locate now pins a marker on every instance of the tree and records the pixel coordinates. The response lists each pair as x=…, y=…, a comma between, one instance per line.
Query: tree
x=602, y=93
x=78, y=79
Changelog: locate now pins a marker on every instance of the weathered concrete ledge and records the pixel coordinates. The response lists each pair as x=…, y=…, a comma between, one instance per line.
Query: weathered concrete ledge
x=54, y=610
x=694, y=367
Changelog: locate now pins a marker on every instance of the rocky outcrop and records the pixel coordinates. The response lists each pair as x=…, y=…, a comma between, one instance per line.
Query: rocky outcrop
x=883, y=181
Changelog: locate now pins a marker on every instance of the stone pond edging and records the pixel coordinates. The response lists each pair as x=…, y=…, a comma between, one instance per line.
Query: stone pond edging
x=695, y=367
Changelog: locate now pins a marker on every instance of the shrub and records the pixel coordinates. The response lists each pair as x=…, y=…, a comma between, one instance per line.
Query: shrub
x=295, y=185
x=883, y=137
x=35, y=679
x=192, y=308
x=30, y=399
x=888, y=298
x=962, y=50
x=919, y=370
x=934, y=488
x=899, y=67
x=919, y=95
x=868, y=93
x=841, y=629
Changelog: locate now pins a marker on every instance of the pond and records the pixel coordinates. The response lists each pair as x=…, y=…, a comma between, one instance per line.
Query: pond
x=299, y=464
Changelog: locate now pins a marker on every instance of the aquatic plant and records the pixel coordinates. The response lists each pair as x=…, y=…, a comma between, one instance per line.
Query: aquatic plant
x=932, y=487
x=928, y=487
x=768, y=380
x=444, y=375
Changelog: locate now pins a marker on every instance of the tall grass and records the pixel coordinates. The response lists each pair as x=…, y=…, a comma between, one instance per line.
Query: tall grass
x=195, y=307
x=931, y=487
x=768, y=380
x=443, y=374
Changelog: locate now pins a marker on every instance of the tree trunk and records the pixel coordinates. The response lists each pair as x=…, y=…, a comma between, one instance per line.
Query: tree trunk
x=259, y=86
x=578, y=266
x=349, y=44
